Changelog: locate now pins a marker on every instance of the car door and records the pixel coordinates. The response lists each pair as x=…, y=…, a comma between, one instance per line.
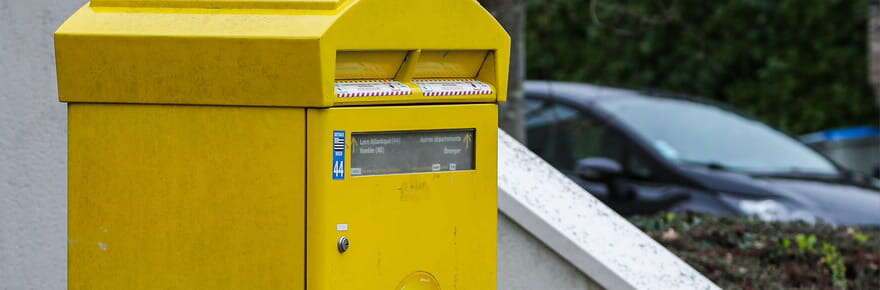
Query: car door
x=562, y=134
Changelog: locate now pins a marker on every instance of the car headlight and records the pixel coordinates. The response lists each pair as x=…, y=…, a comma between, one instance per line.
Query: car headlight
x=770, y=210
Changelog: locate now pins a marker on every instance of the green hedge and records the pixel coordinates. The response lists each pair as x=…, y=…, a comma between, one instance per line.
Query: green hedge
x=745, y=253
x=800, y=65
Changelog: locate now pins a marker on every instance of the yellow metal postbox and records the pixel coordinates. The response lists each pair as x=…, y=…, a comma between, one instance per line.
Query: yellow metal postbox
x=282, y=144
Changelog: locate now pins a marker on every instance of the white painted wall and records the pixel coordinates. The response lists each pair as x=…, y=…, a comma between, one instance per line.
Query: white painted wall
x=33, y=203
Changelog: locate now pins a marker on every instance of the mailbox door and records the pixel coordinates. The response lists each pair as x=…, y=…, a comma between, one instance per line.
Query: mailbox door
x=186, y=197
x=404, y=224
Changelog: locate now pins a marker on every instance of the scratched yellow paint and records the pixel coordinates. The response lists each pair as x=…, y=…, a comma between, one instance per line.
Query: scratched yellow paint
x=440, y=223
x=186, y=197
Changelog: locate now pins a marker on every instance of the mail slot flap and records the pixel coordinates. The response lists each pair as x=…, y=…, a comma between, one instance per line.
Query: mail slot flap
x=405, y=65
x=449, y=63
x=355, y=65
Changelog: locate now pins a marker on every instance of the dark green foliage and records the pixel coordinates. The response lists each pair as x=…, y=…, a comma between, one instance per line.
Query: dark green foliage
x=800, y=65
x=744, y=253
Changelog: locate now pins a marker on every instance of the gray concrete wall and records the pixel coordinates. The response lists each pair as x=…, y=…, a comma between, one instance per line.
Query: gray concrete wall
x=33, y=203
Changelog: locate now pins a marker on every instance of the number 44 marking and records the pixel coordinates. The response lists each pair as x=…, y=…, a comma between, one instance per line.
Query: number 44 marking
x=338, y=168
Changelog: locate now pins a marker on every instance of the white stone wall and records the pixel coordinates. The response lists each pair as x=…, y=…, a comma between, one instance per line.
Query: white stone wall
x=581, y=229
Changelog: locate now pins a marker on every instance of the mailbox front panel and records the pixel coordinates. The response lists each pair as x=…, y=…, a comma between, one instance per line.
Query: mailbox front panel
x=186, y=197
x=419, y=216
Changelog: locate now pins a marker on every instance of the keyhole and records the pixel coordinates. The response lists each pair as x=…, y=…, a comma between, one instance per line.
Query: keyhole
x=342, y=245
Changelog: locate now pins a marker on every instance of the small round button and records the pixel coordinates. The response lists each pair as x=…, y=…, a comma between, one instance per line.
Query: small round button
x=342, y=245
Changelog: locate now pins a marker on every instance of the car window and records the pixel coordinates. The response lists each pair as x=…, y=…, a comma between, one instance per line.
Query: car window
x=563, y=135
x=541, y=130
x=533, y=104
x=543, y=114
x=585, y=137
x=699, y=134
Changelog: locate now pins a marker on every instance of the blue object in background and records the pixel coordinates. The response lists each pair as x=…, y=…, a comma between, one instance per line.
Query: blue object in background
x=841, y=134
x=856, y=148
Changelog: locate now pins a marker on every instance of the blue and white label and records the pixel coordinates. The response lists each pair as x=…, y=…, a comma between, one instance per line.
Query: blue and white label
x=338, y=155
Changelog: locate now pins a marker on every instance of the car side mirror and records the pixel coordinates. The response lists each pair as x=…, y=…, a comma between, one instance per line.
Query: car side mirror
x=597, y=168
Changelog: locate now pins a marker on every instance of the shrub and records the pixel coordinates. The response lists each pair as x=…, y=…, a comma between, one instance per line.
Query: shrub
x=745, y=253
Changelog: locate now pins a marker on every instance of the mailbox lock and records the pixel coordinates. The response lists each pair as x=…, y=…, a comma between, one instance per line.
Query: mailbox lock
x=342, y=245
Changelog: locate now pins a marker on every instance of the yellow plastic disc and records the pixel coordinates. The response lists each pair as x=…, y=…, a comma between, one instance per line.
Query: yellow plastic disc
x=419, y=281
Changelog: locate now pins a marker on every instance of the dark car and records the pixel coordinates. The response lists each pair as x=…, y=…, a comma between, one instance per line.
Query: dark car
x=642, y=152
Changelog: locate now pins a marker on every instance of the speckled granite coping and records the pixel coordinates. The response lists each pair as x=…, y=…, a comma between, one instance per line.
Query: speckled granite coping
x=596, y=240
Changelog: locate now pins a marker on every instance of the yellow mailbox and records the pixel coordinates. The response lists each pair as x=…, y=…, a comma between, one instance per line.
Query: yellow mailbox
x=282, y=144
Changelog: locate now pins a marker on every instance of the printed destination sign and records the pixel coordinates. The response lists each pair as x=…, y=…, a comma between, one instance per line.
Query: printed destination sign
x=412, y=152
